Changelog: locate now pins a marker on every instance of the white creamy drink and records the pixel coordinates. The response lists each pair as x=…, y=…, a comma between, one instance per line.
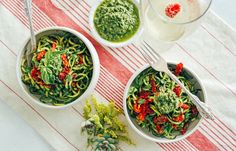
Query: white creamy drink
x=165, y=19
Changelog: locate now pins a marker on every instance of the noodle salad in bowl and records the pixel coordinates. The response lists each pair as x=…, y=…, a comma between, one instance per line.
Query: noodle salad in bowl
x=64, y=68
x=157, y=108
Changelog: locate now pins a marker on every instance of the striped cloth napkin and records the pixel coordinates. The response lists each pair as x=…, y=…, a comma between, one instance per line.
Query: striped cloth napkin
x=210, y=52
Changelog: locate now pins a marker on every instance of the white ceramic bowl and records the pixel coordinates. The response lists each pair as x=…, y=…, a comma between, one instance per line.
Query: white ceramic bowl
x=109, y=43
x=95, y=60
x=144, y=132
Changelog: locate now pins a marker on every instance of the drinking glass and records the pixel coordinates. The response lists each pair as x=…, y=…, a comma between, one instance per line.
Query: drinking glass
x=172, y=20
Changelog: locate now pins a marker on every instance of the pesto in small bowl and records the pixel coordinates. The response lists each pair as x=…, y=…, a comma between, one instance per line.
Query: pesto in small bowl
x=117, y=20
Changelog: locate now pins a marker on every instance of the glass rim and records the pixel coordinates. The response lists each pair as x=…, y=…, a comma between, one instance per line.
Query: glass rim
x=181, y=23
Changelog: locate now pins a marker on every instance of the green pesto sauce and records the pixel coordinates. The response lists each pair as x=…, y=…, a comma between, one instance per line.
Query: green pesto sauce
x=117, y=20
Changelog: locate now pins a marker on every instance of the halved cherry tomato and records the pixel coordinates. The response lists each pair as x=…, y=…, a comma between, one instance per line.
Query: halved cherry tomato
x=160, y=119
x=144, y=94
x=137, y=107
x=159, y=129
x=185, y=106
x=154, y=88
x=54, y=45
x=178, y=69
x=41, y=54
x=179, y=118
x=34, y=72
x=141, y=117
x=177, y=90
x=64, y=60
x=62, y=76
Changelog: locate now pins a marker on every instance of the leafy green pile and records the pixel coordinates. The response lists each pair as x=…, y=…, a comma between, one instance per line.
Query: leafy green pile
x=103, y=127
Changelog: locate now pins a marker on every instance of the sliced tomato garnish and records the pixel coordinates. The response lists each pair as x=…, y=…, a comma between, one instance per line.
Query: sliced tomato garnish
x=159, y=129
x=137, y=107
x=178, y=69
x=153, y=85
x=185, y=106
x=177, y=90
x=41, y=54
x=179, y=118
x=62, y=76
x=54, y=45
x=144, y=94
x=160, y=119
x=34, y=72
x=141, y=117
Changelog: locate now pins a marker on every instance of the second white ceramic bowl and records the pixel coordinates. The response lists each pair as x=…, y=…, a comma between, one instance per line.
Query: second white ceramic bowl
x=144, y=132
x=93, y=53
x=109, y=43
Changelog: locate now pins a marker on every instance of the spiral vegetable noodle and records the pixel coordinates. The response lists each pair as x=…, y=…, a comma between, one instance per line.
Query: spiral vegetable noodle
x=159, y=105
x=61, y=69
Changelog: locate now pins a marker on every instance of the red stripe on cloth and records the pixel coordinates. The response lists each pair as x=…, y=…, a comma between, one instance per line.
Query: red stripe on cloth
x=201, y=142
x=107, y=60
x=219, y=139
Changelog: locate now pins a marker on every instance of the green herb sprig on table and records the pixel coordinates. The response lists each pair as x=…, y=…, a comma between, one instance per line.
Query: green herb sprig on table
x=103, y=127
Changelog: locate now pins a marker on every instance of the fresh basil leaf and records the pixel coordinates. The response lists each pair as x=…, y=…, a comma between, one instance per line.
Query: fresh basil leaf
x=68, y=78
x=141, y=101
x=47, y=75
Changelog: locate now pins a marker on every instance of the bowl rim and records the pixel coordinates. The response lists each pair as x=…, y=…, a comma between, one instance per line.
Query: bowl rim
x=163, y=140
x=109, y=43
x=95, y=60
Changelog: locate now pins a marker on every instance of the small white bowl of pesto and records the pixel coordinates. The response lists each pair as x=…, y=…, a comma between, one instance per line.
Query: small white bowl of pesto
x=115, y=23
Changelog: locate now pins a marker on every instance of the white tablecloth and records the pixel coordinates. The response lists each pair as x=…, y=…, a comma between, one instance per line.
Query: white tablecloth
x=210, y=52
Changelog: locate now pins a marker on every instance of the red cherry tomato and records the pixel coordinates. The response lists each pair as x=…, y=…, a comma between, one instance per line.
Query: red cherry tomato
x=178, y=69
x=54, y=45
x=34, y=72
x=62, y=76
x=141, y=117
x=154, y=88
x=160, y=119
x=137, y=108
x=159, y=129
x=41, y=54
x=179, y=118
x=177, y=90
x=185, y=106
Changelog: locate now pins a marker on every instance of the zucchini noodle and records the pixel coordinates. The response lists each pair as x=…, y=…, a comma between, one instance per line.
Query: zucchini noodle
x=61, y=69
x=159, y=105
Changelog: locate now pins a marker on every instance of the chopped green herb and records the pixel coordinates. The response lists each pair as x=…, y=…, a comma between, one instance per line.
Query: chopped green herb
x=117, y=20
